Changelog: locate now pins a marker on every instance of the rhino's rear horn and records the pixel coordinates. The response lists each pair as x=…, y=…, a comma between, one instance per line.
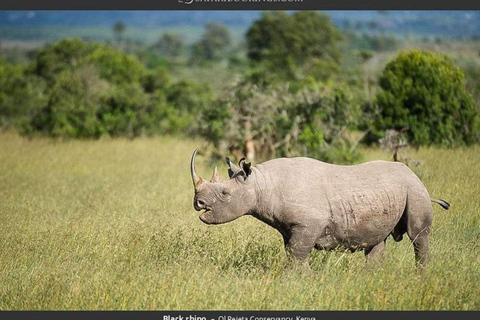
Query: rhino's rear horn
x=197, y=180
x=215, y=176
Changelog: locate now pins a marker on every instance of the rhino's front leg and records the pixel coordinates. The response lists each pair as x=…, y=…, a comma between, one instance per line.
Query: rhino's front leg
x=298, y=244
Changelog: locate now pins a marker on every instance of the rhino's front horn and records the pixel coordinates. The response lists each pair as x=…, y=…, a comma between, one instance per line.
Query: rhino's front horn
x=215, y=176
x=195, y=177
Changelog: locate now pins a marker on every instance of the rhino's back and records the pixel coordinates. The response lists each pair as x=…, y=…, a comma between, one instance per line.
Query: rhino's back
x=310, y=173
x=361, y=202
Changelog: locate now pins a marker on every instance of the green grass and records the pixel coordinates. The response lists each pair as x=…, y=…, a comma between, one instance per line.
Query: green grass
x=109, y=224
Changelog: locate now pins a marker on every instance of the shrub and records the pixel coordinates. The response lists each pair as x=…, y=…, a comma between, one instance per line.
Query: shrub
x=157, y=79
x=128, y=111
x=426, y=93
x=310, y=122
x=189, y=99
x=20, y=94
x=72, y=107
x=60, y=56
x=100, y=91
x=116, y=66
x=83, y=105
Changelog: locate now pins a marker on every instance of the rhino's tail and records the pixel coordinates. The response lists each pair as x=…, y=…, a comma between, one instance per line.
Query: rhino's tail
x=444, y=204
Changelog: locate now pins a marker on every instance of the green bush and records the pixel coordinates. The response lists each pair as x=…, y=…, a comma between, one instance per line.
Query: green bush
x=129, y=111
x=310, y=122
x=83, y=105
x=157, y=79
x=86, y=90
x=426, y=94
x=21, y=94
x=60, y=56
x=115, y=66
x=189, y=99
x=72, y=107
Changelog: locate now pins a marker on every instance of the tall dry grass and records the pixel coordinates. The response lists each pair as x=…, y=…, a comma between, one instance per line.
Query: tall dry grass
x=109, y=224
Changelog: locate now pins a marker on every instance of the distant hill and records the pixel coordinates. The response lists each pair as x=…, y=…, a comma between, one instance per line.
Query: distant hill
x=133, y=18
x=447, y=23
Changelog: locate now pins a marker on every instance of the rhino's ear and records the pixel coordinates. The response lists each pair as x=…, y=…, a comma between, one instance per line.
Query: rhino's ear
x=245, y=167
x=232, y=168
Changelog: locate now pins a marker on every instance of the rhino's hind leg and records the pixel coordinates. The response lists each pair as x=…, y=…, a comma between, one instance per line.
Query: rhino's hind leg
x=420, y=246
x=419, y=222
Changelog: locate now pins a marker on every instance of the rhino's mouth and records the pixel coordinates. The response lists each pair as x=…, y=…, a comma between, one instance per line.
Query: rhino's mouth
x=206, y=216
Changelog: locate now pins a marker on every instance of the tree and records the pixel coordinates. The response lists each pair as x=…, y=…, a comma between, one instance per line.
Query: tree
x=426, y=94
x=83, y=105
x=188, y=100
x=272, y=121
x=305, y=40
x=60, y=56
x=214, y=43
x=86, y=90
x=170, y=44
x=156, y=79
x=115, y=65
x=72, y=106
x=21, y=94
x=119, y=29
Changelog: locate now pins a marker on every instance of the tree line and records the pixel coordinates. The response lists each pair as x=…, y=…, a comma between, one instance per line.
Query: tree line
x=292, y=98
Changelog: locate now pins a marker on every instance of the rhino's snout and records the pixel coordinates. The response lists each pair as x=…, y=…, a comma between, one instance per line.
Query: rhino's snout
x=207, y=217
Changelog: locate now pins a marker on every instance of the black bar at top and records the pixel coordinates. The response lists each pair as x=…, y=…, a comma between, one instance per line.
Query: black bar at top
x=240, y=5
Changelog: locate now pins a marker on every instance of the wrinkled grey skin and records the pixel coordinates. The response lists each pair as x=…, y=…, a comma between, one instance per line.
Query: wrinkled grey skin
x=319, y=205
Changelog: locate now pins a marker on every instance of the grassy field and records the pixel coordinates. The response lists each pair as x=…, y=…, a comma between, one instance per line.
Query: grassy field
x=109, y=224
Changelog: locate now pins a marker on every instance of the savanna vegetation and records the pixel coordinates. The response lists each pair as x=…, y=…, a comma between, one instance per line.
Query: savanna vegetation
x=97, y=133
x=109, y=224
x=290, y=90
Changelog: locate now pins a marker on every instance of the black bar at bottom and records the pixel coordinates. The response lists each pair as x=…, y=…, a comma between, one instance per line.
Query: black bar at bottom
x=242, y=315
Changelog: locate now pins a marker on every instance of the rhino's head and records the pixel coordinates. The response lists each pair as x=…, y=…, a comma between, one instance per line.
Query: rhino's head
x=223, y=200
